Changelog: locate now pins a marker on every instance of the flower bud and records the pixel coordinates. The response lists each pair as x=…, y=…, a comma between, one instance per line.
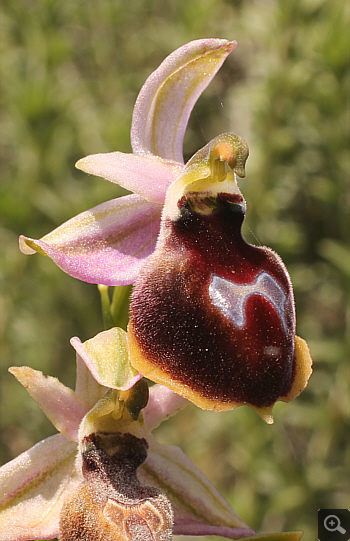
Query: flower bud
x=111, y=504
x=212, y=317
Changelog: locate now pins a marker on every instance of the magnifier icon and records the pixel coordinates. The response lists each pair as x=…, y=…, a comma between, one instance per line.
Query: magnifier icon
x=332, y=524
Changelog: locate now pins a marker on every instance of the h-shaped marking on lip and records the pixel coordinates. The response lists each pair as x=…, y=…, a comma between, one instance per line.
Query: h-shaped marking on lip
x=231, y=297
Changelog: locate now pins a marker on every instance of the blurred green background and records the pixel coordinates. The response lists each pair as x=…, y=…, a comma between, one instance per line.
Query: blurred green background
x=70, y=73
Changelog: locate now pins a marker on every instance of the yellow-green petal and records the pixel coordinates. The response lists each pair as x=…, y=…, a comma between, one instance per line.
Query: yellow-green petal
x=106, y=357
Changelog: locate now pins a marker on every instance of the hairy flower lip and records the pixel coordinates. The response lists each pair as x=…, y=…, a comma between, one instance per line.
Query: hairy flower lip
x=221, y=310
x=111, y=500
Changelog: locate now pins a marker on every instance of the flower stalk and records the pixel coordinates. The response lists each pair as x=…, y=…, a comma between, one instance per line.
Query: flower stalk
x=105, y=306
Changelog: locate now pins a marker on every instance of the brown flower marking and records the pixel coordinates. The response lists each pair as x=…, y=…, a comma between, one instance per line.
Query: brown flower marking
x=111, y=504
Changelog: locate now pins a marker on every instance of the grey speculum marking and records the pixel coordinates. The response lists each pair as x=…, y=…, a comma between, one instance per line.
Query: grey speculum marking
x=231, y=297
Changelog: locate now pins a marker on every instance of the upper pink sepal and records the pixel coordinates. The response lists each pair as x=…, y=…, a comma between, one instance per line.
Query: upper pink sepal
x=104, y=245
x=109, y=243
x=166, y=100
x=61, y=405
x=148, y=176
x=33, y=487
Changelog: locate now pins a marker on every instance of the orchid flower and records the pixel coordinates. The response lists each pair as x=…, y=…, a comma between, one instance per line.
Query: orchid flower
x=227, y=336
x=109, y=243
x=36, y=485
x=223, y=333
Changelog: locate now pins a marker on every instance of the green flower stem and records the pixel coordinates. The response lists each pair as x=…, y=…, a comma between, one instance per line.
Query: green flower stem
x=106, y=307
x=120, y=306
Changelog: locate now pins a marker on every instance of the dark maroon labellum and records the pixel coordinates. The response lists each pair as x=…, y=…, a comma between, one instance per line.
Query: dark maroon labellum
x=212, y=317
x=219, y=311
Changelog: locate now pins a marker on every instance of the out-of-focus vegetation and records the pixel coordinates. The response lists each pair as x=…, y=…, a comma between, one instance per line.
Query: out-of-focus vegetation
x=69, y=76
